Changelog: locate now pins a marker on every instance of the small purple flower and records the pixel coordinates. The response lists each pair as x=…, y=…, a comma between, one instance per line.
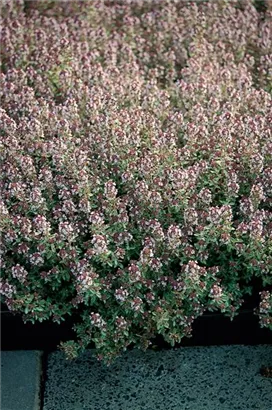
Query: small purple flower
x=97, y=320
x=121, y=294
x=6, y=289
x=18, y=272
x=36, y=259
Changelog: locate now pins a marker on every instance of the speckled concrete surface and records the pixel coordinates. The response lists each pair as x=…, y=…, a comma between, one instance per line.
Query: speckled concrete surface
x=20, y=380
x=190, y=378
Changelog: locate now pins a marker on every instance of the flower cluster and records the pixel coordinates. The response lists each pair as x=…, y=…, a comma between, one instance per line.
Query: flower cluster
x=265, y=309
x=18, y=272
x=136, y=151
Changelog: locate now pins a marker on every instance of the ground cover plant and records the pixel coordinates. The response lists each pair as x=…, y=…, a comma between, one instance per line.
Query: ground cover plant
x=136, y=165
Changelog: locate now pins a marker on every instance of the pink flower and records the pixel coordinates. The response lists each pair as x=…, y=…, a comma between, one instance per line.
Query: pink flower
x=100, y=244
x=97, y=321
x=121, y=294
x=134, y=272
x=36, y=259
x=146, y=255
x=6, y=289
x=173, y=236
x=66, y=231
x=110, y=190
x=96, y=218
x=18, y=272
x=121, y=323
x=216, y=292
x=191, y=216
x=136, y=304
x=41, y=225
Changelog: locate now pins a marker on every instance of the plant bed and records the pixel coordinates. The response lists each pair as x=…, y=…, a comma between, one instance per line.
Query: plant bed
x=137, y=169
x=209, y=329
x=46, y=336
x=213, y=328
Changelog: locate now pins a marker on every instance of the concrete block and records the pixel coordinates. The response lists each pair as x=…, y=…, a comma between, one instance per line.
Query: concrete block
x=20, y=380
x=190, y=378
